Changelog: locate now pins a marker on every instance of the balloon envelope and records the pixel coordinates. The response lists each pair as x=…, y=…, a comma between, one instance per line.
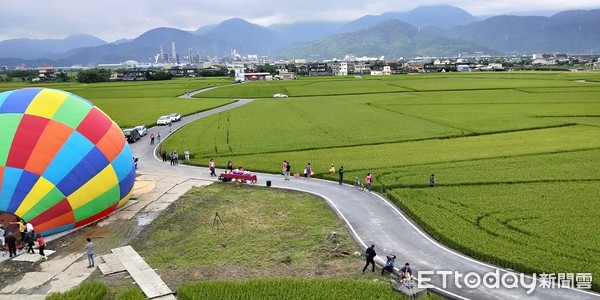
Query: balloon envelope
x=63, y=162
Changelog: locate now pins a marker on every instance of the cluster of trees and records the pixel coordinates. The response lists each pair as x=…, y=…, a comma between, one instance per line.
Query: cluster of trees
x=93, y=75
x=30, y=75
x=222, y=71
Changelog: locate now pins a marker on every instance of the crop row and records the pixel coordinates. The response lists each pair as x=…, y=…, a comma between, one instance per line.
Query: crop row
x=301, y=289
x=532, y=227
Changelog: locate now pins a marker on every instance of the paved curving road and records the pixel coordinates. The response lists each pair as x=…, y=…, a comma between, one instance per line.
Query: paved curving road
x=373, y=219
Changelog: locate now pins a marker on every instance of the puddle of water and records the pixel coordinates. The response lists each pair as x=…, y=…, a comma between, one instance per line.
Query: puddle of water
x=146, y=218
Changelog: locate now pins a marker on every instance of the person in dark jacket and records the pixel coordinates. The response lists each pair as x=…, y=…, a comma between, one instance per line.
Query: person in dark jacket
x=370, y=255
x=389, y=264
x=29, y=242
x=11, y=241
x=341, y=177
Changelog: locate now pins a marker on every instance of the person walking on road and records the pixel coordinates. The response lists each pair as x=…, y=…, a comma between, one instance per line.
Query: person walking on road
x=211, y=166
x=152, y=139
x=370, y=256
x=163, y=154
x=158, y=137
x=283, y=167
x=389, y=264
x=368, y=180
x=341, y=174
x=287, y=171
x=89, y=250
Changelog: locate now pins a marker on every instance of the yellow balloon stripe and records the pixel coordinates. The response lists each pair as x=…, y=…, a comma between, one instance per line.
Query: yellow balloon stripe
x=100, y=184
x=46, y=103
x=125, y=199
x=39, y=190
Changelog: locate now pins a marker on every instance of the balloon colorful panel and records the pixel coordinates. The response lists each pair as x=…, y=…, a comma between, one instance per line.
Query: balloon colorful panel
x=63, y=162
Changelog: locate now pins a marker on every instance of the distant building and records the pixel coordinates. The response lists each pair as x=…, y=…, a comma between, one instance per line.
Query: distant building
x=46, y=73
x=319, y=69
x=287, y=75
x=381, y=70
x=339, y=68
x=463, y=68
x=258, y=76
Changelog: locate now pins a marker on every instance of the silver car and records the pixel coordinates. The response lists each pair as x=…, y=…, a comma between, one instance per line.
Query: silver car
x=142, y=130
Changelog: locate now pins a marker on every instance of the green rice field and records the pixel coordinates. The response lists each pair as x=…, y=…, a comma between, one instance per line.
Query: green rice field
x=516, y=155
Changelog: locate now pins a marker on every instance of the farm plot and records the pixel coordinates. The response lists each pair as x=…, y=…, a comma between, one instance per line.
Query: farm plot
x=307, y=87
x=515, y=155
x=533, y=227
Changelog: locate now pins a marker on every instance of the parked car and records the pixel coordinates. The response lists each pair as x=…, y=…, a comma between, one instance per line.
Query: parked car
x=163, y=120
x=175, y=117
x=278, y=95
x=131, y=135
x=142, y=130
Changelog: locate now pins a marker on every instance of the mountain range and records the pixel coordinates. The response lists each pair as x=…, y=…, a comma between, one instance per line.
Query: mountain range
x=425, y=31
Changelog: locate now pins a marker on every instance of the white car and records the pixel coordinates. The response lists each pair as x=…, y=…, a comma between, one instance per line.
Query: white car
x=142, y=130
x=163, y=120
x=175, y=117
x=278, y=95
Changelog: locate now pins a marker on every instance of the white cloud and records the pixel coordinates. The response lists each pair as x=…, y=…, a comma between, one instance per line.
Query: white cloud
x=114, y=19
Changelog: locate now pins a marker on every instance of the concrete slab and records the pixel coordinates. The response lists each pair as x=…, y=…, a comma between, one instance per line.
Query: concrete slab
x=173, y=179
x=33, y=257
x=111, y=265
x=165, y=297
x=73, y=276
x=141, y=272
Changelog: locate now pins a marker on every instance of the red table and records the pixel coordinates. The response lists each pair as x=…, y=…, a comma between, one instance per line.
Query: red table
x=251, y=178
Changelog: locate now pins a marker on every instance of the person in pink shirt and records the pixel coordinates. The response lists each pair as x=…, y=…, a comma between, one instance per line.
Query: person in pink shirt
x=42, y=245
x=368, y=181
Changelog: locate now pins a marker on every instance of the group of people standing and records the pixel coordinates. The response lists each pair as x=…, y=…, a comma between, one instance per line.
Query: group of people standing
x=173, y=157
x=28, y=238
x=152, y=138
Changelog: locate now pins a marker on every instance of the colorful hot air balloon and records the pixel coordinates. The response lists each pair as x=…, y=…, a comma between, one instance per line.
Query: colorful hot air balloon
x=63, y=162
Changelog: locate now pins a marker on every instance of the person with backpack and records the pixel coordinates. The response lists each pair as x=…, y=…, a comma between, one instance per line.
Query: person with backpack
x=370, y=256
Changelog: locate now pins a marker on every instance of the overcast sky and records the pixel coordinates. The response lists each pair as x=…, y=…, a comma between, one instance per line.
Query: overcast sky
x=114, y=19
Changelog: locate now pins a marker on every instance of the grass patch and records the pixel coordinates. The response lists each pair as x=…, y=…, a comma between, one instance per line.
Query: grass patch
x=268, y=233
x=87, y=290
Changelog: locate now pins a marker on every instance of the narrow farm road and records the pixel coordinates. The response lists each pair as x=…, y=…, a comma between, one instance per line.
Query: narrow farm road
x=373, y=219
